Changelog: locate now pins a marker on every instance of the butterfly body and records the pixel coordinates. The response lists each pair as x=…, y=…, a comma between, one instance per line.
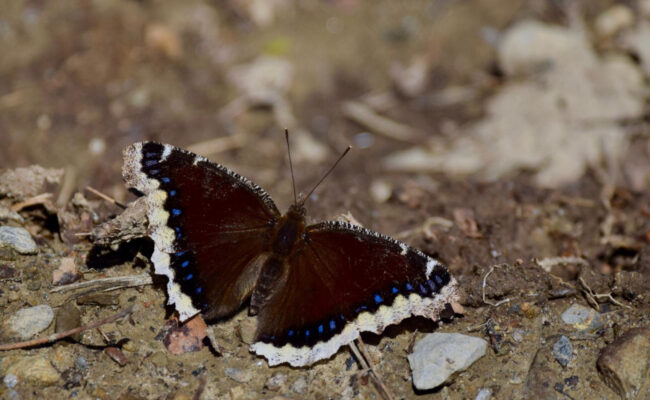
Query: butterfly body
x=221, y=240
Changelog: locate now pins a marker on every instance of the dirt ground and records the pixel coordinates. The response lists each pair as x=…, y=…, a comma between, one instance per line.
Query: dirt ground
x=414, y=81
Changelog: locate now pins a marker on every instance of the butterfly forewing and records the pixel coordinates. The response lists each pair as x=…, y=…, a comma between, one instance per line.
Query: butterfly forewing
x=210, y=226
x=343, y=280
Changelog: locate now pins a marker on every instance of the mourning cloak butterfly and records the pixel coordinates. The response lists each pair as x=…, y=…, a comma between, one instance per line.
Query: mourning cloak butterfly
x=220, y=240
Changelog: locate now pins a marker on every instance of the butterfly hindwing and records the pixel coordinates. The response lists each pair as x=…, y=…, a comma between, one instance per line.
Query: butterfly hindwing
x=344, y=280
x=209, y=225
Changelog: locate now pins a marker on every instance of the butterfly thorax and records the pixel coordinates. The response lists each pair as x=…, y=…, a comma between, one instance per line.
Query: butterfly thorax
x=289, y=230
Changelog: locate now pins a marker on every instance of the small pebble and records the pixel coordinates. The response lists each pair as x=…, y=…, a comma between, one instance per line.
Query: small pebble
x=300, y=385
x=563, y=350
x=116, y=355
x=624, y=365
x=380, y=190
x=10, y=380
x=239, y=375
x=246, y=330
x=36, y=370
x=81, y=363
x=66, y=273
x=17, y=239
x=28, y=322
x=13, y=296
x=276, y=382
x=484, y=394
x=7, y=272
x=582, y=318
x=518, y=335
x=187, y=337
x=438, y=355
x=614, y=20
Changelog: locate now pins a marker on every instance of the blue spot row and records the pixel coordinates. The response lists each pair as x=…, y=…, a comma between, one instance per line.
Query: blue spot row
x=165, y=180
x=185, y=263
x=149, y=163
x=172, y=193
x=176, y=211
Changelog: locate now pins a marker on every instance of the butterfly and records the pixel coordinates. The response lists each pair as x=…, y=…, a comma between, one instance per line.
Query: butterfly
x=220, y=240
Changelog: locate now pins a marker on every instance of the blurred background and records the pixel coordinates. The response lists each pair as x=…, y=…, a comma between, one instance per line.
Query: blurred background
x=485, y=88
x=505, y=136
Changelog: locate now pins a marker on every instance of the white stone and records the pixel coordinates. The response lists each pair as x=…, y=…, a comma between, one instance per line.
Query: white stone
x=18, y=239
x=28, y=322
x=438, y=355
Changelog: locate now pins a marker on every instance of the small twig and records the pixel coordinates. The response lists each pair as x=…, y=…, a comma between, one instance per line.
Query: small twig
x=365, y=116
x=200, y=388
x=67, y=187
x=498, y=303
x=43, y=198
x=106, y=284
x=591, y=296
x=366, y=364
x=549, y=262
x=105, y=197
x=61, y=335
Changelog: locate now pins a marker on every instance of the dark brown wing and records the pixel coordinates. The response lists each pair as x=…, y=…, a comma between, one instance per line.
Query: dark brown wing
x=209, y=226
x=344, y=280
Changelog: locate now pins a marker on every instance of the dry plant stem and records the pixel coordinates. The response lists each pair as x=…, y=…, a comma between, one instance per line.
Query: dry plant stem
x=106, y=284
x=32, y=201
x=61, y=335
x=592, y=297
x=200, y=388
x=366, y=365
x=365, y=116
x=498, y=303
x=105, y=197
x=67, y=187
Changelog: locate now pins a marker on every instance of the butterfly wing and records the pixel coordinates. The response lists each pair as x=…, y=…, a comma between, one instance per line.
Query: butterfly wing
x=342, y=281
x=209, y=225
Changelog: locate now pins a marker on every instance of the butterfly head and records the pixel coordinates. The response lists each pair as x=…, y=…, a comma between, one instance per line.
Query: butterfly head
x=297, y=211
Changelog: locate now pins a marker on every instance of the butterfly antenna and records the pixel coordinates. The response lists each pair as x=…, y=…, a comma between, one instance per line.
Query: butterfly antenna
x=326, y=175
x=293, y=180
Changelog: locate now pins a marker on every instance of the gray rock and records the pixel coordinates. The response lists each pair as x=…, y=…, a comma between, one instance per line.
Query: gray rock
x=28, y=322
x=563, y=351
x=239, y=375
x=17, y=239
x=625, y=364
x=438, y=355
x=582, y=318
